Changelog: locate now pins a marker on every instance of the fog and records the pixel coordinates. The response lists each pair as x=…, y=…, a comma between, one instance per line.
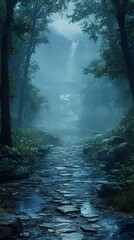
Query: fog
x=61, y=79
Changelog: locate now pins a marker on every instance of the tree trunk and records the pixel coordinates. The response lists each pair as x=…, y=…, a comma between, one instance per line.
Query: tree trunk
x=23, y=88
x=121, y=15
x=5, y=99
x=30, y=50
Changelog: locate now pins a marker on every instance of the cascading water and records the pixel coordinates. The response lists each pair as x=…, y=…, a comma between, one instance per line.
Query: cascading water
x=73, y=48
x=70, y=63
x=69, y=100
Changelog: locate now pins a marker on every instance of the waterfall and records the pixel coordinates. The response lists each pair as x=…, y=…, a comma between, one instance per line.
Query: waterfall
x=73, y=48
x=70, y=62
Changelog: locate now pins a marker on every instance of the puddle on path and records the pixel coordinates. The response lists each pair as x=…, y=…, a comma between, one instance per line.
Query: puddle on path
x=73, y=236
x=112, y=228
x=69, y=179
x=31, y=204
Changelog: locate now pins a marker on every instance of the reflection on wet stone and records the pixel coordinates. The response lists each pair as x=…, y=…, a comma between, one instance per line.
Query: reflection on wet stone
x=68, y=209
x=73, y=236
x=60, y=204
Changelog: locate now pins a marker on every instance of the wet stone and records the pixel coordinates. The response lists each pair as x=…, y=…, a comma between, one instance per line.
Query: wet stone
x=57, y=198
x=56, y=201
x=91, y=220
x=64, y=202
x=65, y=230
x=69, y=195
x=64, y=182
x=67, y=209
x=72, y=215
x=73, y=236
x=86, y=228
x=42, y=214
x=10, y=226
x=51, y=230
x=25, y=235
x=46, y=225
x=80, y=174
x=60, y=168
x=66, y=174
x=62, y=225
x=93, y=216
x=63, y=192
x=24, y=217
x=86, y=210
x=63, y=220
x=97, y=226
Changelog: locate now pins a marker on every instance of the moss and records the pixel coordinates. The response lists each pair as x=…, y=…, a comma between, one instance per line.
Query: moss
x=124, y=201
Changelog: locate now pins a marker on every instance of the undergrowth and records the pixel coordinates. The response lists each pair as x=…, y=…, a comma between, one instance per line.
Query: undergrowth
x=25, y=140
x=124, y=201
x=124, y=172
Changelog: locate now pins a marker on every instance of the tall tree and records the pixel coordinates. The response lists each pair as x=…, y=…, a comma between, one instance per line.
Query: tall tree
x=121, y=14
x=35, y=13
x=38, y=12
x=5, y=101
x=9, y=6
x=100, y=18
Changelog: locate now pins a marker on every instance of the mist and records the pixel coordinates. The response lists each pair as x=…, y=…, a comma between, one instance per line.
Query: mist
x=67, y=119
x=61, y=79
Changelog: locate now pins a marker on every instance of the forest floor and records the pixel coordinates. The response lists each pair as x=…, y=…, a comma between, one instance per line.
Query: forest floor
x=60, y=200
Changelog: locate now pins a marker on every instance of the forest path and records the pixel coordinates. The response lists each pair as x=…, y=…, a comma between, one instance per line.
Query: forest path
x=60, y=201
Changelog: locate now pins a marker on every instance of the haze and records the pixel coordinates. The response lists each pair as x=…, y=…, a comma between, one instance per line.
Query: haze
x=61, y=79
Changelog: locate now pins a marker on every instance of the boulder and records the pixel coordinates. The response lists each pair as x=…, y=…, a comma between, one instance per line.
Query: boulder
x=42, y=151
x=115, y=140
x=87, y=149
x=127, y=230
x=116, y=155
x=49, y=138
x=11, y=170
x=12, y=153
x=10, y=226
x=103, y=155
x=112, y=188
x=20, y=173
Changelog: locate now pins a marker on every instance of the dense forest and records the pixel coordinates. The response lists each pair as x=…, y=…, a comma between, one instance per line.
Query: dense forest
x=87, y=93
x=25, y=26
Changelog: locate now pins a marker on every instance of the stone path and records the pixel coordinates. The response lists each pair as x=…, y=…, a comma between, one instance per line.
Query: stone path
x=59, y=202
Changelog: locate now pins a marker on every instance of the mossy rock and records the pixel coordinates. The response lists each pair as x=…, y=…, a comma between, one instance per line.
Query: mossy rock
x=10, y=226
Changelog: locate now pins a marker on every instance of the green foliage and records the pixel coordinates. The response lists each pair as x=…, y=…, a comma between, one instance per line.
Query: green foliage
x=25, y=140
x=33, y=68
x=98, y=20
x=111, y=62
x=98, y=144
x=123, y=172
x=92, y=16
x=34, y=102
x=126, y=128
x=2, y=11
x=126, y=172
x=20, y=27
x=124, y=201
